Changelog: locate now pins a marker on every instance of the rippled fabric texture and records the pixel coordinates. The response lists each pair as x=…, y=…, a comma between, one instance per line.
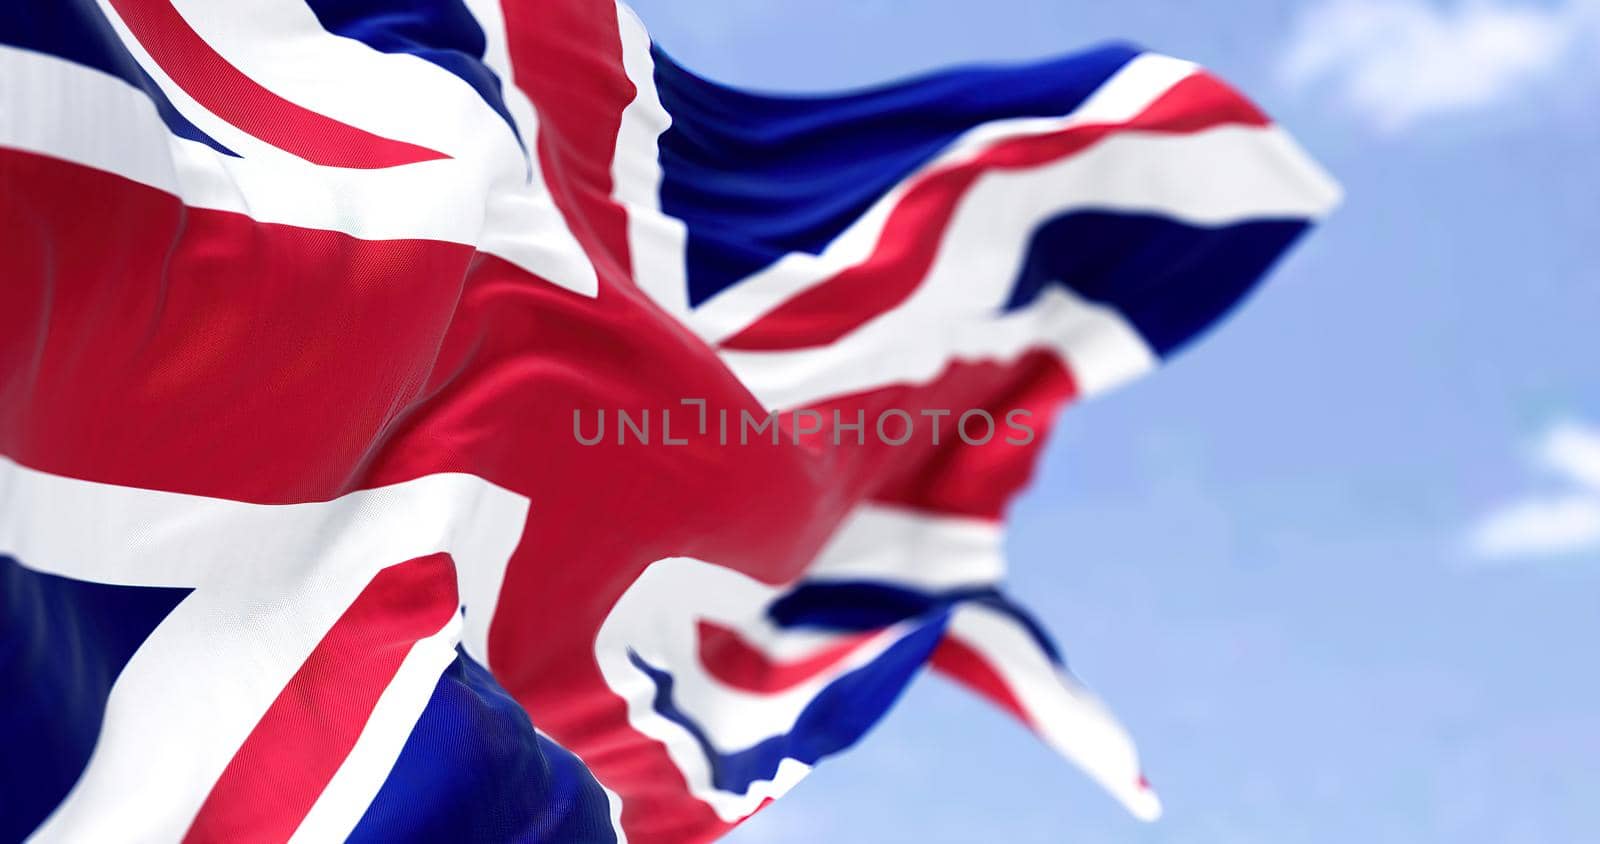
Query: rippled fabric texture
x=438, y=420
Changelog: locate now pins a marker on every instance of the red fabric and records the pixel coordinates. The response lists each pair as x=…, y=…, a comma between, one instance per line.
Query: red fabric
x=231, y=95
x=308, y=731
x=914, y=232
x=956, y=660
x=425, y=358
x=737, y=663
x=953, y=477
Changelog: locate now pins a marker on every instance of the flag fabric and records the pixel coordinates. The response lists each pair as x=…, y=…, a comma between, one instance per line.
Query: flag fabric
x=452, y=420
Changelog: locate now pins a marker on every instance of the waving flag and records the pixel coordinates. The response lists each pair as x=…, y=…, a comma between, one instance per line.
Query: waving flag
x=453, y=420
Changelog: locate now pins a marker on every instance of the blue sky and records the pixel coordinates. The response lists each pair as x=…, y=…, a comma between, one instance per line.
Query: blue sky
x=1338, y=567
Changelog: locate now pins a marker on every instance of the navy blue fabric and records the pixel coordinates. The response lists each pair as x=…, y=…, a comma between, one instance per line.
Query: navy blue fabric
x=834, y=720
x=754, y=177
x=856, y=606
x=1171, y=280
x=443, y=32
x=475, y=770
x=77, y=31
x=62, y=644
x=859, y=606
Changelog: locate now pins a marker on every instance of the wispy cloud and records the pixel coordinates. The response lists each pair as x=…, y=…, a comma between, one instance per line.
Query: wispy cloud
x=1397, y=62
x=1560, y=523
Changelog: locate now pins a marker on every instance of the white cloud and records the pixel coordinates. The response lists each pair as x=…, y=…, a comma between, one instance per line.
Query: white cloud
x=1562, y=523
x=1551, y=525
x=1399, y=61
x=1573, y=450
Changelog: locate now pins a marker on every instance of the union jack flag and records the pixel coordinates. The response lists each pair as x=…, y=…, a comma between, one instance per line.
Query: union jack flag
x=310, y=311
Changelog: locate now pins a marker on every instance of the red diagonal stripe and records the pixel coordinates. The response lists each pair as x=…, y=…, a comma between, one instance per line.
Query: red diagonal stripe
x=959, y=661
x=228, y=93
x=288, y=759
x=736, y=663
x=915, y=229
